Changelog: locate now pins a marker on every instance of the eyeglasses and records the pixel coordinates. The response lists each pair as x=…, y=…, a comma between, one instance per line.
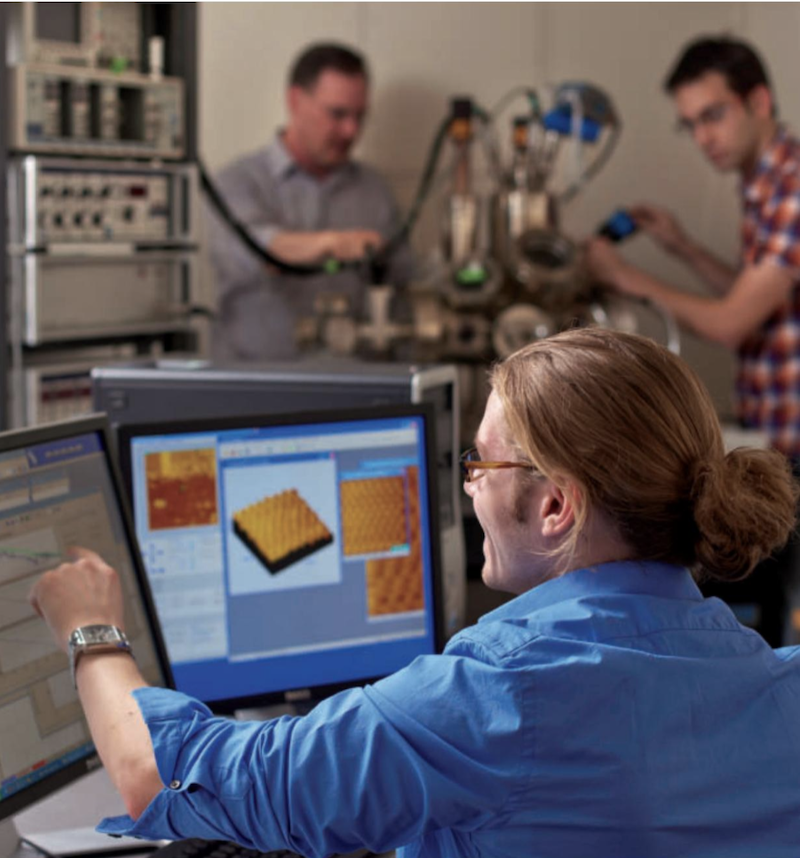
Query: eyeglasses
x=341, y=114
x=712, y=115
x=471, y=462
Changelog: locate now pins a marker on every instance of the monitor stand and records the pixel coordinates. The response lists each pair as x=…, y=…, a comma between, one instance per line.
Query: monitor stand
x=10, y=844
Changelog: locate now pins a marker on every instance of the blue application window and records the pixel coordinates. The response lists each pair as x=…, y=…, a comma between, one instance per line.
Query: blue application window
x=288, y=556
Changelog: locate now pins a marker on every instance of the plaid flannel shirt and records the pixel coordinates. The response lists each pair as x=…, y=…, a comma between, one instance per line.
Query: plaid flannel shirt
x=768, y=382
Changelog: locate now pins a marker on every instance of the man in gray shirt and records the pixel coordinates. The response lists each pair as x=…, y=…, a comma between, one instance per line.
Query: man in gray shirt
x=307, y=202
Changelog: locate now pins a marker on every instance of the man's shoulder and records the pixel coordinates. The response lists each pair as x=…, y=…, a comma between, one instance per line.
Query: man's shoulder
x=777, y=185
x=789, y=156
x=252, y=166
x=791, y=139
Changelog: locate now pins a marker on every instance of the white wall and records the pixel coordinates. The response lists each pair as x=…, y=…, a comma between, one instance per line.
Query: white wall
x=421, y=54
x=774, y=28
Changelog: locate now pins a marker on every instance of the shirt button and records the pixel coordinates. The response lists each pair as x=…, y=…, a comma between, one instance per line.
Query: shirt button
x=175, y=785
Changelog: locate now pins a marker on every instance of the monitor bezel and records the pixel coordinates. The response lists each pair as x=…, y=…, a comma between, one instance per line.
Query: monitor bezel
x=17, y=439
x=315, y=693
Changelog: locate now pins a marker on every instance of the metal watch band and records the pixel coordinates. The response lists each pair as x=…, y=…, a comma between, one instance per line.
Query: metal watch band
x=95, y=639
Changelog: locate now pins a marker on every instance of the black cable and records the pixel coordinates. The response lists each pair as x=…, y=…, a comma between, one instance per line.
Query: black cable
x=332, y=266
x=372, y=266
x=423, y=190
x=374, y=263
x=200, y=310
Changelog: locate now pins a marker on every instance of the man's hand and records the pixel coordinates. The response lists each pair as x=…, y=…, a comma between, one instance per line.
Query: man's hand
x=83, y=592
x=349, y=244
x=603, y=263
x=663, y=226
x=315, y=247
x=87, y=591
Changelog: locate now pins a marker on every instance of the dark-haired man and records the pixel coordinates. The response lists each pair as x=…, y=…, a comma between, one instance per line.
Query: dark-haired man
x=308, y=202
x=724, y=100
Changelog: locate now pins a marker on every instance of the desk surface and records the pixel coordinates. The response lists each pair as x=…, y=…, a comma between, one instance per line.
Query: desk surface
x=65, y=821
x=83, y=803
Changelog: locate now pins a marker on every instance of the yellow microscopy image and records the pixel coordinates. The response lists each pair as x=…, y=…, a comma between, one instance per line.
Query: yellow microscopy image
x=394, y=584
x=281, y=530
x=374, y=517
x=181, y=488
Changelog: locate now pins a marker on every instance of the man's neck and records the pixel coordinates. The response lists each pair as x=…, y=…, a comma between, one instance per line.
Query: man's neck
x=301, y=157
x=763, y=143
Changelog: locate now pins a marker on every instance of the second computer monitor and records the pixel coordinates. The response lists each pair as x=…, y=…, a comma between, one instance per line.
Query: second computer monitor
x=288, y=555
x=59, y=488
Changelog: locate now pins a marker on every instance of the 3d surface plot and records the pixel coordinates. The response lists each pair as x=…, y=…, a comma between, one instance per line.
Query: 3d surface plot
x=181, y=488
x=394, y=585
x=373, y=515
x=281, y=529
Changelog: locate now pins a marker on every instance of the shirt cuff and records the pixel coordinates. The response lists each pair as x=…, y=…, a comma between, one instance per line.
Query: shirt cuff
x=168, y=715
x=267, y=234
x=778, y=259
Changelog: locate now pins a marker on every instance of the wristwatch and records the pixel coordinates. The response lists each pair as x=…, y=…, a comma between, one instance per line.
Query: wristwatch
x=95, y=639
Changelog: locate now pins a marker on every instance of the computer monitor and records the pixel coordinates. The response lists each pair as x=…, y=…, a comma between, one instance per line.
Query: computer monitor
x=180, y=389
x=288, y=555
x=59, y=487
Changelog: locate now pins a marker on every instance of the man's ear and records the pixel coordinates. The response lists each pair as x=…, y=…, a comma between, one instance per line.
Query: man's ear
x=557, y=511
x=760, y=101
x=293, y=96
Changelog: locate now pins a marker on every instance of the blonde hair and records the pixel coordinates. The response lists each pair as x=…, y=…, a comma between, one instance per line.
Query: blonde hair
x=633, y=430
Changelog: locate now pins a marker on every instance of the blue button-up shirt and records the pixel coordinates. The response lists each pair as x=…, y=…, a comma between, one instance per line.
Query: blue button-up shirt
x=612, y=712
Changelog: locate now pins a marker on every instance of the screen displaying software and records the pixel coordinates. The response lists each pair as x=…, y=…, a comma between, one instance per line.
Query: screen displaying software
x=53, y=495
x=286, y=556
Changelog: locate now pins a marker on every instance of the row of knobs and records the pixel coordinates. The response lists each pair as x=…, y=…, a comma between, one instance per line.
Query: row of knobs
x=46, y=191
x=84, y=218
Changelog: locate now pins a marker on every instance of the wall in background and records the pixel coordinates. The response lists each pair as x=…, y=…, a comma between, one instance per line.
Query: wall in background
x=421, y=54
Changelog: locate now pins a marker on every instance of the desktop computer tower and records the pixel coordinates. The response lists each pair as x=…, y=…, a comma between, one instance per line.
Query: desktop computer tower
x=169, y=389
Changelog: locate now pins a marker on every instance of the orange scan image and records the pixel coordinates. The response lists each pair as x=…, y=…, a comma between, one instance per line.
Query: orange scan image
x=181, y=489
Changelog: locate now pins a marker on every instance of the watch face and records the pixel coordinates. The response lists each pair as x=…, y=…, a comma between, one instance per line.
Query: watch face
x=99, y=634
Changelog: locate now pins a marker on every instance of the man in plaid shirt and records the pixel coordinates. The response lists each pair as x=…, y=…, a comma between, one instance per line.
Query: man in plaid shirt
x=723, y=99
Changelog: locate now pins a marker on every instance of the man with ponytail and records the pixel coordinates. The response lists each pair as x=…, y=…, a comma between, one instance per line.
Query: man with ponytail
x=608, y=709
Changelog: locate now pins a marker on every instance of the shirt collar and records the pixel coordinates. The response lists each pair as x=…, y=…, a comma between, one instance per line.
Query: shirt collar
x=279, y=161
x=753, y=189
x=281, y=164
x=630, y=577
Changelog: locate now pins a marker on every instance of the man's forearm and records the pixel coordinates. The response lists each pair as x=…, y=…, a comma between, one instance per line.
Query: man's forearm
x=303, y=247
x=122, y=739
x=310, y=247
x=717, y=274
x=705, y=316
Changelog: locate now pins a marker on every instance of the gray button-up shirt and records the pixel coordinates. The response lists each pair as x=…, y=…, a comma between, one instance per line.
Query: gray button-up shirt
x=259, y=307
